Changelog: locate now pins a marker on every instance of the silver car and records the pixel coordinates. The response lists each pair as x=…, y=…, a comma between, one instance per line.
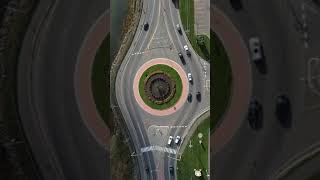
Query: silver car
x=255, y=49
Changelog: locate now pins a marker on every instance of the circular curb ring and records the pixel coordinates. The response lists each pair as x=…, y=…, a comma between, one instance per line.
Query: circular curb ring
x=184, y=80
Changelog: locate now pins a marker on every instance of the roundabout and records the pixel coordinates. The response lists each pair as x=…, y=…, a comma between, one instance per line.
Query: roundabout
x=160, y=86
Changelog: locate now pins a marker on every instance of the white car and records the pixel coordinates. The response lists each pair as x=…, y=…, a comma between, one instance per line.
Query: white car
x=189, y=77
x=170, y=140
x=177, y=140
x=178, y=28
x=255, y=49
x=186, y=48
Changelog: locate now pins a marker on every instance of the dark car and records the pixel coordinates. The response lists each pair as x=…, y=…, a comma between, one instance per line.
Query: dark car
x=146, y=26
x=147, y=170
x=181, y=58
x=189, y=97
x=171, y=169
x=255, y=115
x=236, y=5
x=199, y=96
x=283, y=111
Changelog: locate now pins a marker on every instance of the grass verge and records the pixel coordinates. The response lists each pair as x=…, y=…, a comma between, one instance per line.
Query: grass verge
x=173, y=75
x=187, y=18
x=195, y=157
x=221, y=76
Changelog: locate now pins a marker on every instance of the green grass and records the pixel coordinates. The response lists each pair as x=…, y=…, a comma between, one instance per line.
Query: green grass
x=221, y=77
x=187, y=17
x=173, y=75
x=100, y=81
x=195, y=157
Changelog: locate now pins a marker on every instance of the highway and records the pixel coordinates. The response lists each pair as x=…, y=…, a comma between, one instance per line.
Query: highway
x=63, y=144
x=161, y=41
x=259, y=154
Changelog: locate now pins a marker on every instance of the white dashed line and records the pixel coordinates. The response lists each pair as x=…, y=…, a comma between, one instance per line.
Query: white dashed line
x=138, y=53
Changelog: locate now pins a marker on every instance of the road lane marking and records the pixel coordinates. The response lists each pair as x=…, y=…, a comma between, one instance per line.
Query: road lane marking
x=138, y=53
x=158, y=148
x=155, y=30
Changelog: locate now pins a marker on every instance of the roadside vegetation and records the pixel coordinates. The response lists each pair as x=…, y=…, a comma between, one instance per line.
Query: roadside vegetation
x=16, y=159
x=221, y=76
x=195, y=155
x=119, y=148
x=200, y=43
x=173, y=74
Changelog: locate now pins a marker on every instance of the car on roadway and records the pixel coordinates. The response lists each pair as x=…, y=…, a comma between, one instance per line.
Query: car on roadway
x=177, y=140
x=189, y=77
x=181, y=58
x=198, y=96
x=186, y=48
x=236, y=5
x=189, y=97
x=283, y=111
x=255, y=49
x=146, y=26
x=170, y=140
x=179, y=28
x=147, y=170
x=255, y=115
x=171, y=170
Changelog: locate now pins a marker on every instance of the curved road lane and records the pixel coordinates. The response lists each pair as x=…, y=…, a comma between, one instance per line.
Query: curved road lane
x=63, y=144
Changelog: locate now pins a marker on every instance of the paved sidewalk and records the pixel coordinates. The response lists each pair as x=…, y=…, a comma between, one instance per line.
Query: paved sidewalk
x=202, y=17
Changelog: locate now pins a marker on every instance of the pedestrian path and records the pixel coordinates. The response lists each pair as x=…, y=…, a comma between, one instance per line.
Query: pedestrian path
x=202, y=17
x=159, y=148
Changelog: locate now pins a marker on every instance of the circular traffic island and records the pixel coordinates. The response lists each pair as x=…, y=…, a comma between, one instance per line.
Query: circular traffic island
x=160, y=86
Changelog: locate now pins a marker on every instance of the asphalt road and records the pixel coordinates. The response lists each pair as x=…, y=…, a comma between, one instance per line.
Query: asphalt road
x=161, y=40
x=63, y=145
x=259, y=154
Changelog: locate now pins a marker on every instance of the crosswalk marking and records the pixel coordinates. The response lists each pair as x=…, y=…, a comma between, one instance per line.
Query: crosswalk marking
x=159, y=148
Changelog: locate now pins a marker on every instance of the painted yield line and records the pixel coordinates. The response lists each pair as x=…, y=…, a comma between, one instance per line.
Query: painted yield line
x=138, y=53
x=159, y=148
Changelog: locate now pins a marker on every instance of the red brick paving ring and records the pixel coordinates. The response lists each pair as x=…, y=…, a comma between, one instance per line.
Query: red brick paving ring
x=184, y=80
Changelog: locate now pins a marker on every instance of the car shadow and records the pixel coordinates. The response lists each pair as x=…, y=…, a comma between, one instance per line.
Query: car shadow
x=176, y=3
x=262, y=66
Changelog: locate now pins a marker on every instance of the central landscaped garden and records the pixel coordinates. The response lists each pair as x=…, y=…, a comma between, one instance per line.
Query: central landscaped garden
x=160, y=87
